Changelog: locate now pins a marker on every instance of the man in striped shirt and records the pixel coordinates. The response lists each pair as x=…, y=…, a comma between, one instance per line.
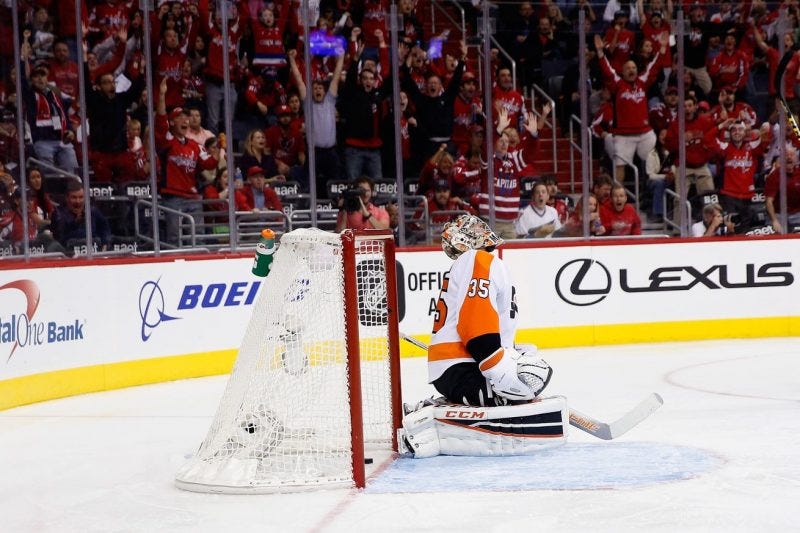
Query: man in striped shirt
x=508, y=166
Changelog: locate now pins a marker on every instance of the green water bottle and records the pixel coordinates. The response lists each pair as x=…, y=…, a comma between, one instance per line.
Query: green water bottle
x=264, y=252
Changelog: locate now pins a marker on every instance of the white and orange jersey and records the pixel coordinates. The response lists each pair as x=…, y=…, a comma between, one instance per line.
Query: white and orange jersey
x=477, y=298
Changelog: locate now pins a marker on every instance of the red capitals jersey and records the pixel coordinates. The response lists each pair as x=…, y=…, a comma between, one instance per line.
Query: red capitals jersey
x=107, y=18
x=740, y=110
x=467, y=181
x=729, y=69
x=630, y=99
x=513, y=102
x=214, y=61
x=269, y=50
x=464, y=115
x=772, y=190
x=740, y=164
x=626, y=43
x=65, y=77
x=625, y=222
x=697, y=154
x=662, y=116
x=603, y=120
x=655, y=35
x=169, y=64
x=507, y=177
x=375, y=17
x=257, y=92
x=285, y=145
x=179, y=161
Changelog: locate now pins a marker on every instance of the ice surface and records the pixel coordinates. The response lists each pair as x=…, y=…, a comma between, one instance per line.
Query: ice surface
x=720, y=455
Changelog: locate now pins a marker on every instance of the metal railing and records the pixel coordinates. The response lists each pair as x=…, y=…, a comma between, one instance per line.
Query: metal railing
x=675, y=222
x=576, y=146
x=635, y=193
x=549, y=121
x=438, y=6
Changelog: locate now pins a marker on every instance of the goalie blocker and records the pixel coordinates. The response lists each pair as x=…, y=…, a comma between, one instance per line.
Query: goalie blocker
x=522, y=429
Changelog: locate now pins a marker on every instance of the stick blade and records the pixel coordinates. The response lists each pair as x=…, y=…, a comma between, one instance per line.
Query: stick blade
x=635, y=416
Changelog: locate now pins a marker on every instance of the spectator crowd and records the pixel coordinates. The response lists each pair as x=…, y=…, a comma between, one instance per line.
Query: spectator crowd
x=731, y=134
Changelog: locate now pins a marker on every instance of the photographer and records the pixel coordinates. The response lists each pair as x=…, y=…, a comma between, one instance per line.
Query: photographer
x=356, y=210
x=713, y=223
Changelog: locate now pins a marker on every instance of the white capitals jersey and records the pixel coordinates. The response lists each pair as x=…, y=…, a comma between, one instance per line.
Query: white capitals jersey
x=477, y=298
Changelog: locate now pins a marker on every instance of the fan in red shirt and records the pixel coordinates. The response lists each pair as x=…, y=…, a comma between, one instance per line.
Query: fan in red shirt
x=256, y=195
x=619, y=217
x=286, y=143
x=656, y=28
x=772, y=193
x=181, y=160
x=740, y=162
x=728, y=107
x=508, y=166
x=506, y=97
x=730, y=67
x=632, y=131
x=620, y=40
x=466, y=109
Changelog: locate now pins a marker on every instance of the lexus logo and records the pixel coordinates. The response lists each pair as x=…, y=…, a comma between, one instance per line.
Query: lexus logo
x=583, y=282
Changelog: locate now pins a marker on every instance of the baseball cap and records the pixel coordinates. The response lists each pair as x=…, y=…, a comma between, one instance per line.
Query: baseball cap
x=728, y=88
x=283, y=110
x=175, y=113
x=620, y=13
x=703, y=105
x=441, y=184
x=672, y=89
x=255, y=171
x=476, y=128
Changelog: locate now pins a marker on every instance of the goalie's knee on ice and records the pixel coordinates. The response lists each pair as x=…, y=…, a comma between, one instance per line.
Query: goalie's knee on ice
x=420, y=432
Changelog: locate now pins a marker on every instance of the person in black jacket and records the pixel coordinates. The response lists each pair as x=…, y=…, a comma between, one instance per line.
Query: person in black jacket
x=434, y=106
x=107, y=111
x=361, y=102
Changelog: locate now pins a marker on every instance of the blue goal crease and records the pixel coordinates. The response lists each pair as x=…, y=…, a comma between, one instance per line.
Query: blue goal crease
x=571, y=467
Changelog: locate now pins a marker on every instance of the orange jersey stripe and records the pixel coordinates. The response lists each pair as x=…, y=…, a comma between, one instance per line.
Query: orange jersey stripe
x=477, y=315
x=492, y=360
x=447, y=350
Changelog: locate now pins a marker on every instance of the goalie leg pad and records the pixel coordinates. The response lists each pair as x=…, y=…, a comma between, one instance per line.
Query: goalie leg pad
x=420, y=434
x=487, y=431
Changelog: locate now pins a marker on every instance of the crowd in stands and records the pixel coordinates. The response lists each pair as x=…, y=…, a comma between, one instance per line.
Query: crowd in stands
x=731, y=134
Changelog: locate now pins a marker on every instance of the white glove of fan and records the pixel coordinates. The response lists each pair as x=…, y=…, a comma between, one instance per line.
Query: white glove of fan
x=500, y=369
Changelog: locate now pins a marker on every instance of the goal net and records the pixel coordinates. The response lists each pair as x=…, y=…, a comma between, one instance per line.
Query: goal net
x=317, y=375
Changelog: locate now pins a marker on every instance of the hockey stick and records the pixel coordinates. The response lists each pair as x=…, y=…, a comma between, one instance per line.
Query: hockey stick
x=784, y=62
x=592, y=426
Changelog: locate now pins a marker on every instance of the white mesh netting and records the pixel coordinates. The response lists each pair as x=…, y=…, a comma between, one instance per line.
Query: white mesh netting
x=284, y=420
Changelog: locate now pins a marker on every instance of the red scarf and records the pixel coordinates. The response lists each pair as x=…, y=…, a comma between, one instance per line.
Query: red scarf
x=44, y=113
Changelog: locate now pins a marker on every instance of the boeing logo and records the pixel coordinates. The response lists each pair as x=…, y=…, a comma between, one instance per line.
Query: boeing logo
x=153, y=309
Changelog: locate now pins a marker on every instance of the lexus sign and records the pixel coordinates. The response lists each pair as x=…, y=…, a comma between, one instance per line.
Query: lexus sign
x=583, y=282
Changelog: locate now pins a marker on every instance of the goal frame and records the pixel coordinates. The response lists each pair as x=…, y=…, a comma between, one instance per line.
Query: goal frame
x=350, y=239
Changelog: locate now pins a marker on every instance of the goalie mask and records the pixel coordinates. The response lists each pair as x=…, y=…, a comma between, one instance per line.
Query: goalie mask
x=467, y=232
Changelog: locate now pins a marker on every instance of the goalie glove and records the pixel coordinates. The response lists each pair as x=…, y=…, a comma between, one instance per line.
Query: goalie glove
x=500, y=369
x=534, y=372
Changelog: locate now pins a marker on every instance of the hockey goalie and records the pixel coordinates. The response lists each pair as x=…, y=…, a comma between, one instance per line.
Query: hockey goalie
x=490, y=388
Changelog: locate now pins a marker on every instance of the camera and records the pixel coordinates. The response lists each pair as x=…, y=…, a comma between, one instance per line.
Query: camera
x=352, y=199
